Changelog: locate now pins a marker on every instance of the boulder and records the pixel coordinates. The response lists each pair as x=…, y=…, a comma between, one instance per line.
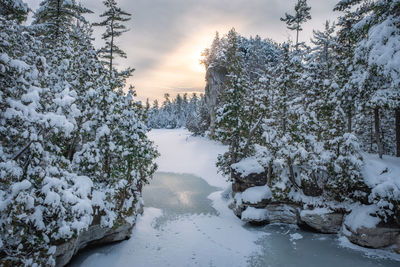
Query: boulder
x=257, y=196
x=261, y=204
x=377, y=237
x=397, y=245
x=255, y=216
x=237, y=208
x=282, y=213
x=322, y=220
x=241, y=183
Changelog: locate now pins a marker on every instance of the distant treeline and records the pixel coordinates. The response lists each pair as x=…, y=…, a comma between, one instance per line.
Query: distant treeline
x=182, y=111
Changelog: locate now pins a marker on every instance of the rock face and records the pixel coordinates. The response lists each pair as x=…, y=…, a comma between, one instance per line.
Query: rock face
x=255, y=216
x=322, y=222
x=377, y=237
x=215, y=78
x=95, y=235
x=282, y=213
x=251, y=180
x=397, y=248
x=253, y=202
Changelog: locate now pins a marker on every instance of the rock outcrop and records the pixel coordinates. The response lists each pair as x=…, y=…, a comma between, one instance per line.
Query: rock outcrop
x=397, y=247
x=377, y=237
x=282, y=213
x=215, y=78
x=322, y=220
x=253, y=203
x=251, y=180
x=95, y=235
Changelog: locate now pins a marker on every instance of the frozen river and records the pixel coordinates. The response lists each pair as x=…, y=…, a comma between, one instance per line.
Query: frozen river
x=182, y=233
x=187, y=223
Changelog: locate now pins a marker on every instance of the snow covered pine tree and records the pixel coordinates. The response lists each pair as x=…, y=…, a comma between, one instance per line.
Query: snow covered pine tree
x=53, y=183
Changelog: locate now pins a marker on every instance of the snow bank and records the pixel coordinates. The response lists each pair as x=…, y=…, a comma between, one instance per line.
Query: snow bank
x=256, y=194
x=382, y=176
x=248, y=166
x=360, y=216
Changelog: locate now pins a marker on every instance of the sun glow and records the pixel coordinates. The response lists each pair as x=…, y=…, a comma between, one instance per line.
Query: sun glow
x=181, y=70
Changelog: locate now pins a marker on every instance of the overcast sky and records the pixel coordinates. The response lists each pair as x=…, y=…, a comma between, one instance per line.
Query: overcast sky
x=167, y=37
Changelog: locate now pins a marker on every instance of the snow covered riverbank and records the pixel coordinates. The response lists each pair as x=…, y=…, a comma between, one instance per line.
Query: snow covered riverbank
x=216, y=238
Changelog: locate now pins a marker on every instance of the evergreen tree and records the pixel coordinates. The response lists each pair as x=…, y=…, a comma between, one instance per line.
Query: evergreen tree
x=59, y=17
x=375, y=76
x=114, y=17
x=231, y=115
x=285, y=131
x=302, y=15
x=73, y=145
x=14, y=10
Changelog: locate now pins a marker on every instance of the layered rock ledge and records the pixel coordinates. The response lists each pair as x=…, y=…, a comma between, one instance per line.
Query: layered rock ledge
x=95, y=235
x=253, y=202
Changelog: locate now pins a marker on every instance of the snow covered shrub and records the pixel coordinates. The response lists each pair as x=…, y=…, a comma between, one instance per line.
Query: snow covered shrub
x=344, y=169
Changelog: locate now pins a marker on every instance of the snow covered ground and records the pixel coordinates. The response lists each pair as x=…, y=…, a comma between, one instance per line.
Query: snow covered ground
x=216, y=238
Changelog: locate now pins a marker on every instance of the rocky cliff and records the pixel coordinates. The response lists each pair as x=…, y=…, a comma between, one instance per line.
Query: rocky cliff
x=95, y=235
x=215, y=78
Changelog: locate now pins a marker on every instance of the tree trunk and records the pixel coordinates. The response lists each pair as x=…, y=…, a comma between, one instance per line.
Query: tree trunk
x=349, y=126
x=233, y=150
x=371, y=134
x=269, y=181
x=397, y=115
x=112, y=44
x=291, y=173
x=377, y=132
x=250, y=135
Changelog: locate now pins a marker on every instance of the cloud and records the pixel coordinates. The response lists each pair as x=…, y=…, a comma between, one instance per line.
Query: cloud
x=167, y=36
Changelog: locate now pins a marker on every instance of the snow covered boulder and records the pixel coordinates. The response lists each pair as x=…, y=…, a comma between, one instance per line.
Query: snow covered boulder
x=364, y=228
x=322, y=220
x=255, y=216
x=257, y=196
x=282, y=213
x=248, y=173
x=237, y=205
x=378, y=237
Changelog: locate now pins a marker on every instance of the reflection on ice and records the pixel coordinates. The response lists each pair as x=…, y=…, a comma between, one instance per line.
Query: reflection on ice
x=178, y=194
